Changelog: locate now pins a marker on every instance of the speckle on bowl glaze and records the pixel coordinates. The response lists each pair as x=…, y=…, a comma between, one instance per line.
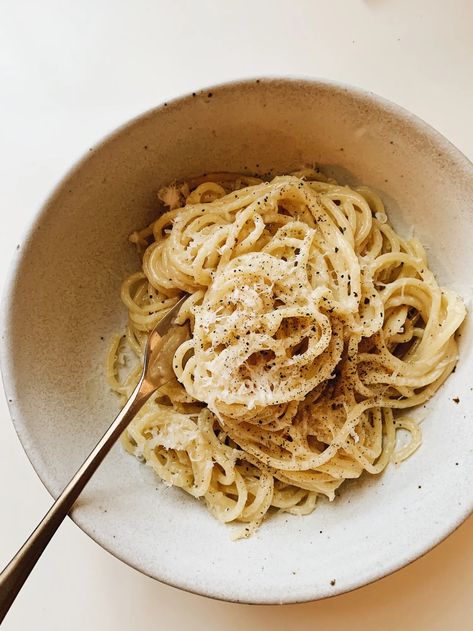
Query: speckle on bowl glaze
x=66, y=278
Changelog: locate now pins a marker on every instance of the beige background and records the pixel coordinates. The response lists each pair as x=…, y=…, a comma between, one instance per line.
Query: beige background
x=72, y=71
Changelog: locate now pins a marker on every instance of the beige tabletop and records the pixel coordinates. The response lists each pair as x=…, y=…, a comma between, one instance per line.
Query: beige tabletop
x=72, y=71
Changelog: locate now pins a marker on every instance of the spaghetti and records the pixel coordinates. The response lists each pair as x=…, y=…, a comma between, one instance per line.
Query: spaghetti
x=312, y=322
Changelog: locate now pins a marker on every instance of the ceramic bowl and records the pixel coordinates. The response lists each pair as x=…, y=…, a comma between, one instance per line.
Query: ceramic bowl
x=62, y=307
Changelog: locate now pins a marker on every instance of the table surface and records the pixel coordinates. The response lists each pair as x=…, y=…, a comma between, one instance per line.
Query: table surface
x=72, y=71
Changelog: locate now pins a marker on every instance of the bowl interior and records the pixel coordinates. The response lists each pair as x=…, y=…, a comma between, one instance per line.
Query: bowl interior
x=62, y=308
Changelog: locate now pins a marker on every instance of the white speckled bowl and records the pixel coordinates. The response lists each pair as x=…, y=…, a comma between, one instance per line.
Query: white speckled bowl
x=62, y=306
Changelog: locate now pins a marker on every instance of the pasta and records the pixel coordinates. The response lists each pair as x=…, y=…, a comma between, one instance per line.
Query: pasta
x=313, y=323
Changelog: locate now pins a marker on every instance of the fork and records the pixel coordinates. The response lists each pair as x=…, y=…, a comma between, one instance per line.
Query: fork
x=161, y=345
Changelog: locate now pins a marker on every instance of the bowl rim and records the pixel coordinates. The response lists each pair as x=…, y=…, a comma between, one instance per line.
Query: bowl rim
x=29, y=228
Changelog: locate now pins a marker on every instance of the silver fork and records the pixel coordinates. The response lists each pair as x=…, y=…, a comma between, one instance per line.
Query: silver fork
x=162, y=342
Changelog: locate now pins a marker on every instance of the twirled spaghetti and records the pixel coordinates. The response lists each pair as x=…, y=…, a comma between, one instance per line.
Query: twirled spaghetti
x=312, y=320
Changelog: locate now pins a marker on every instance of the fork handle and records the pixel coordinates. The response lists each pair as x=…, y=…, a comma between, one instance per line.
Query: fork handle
x=17, y=571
